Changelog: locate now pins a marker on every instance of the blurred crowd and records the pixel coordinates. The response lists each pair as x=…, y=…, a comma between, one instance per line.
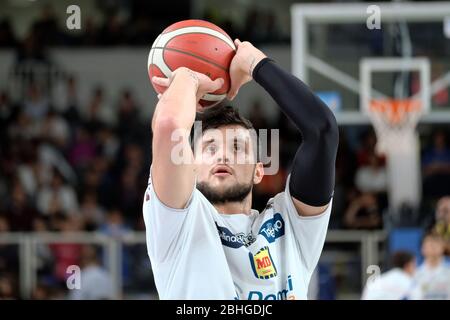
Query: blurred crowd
x=408, y=280
x=65, y=170
x=133, y=24
x=69, y=165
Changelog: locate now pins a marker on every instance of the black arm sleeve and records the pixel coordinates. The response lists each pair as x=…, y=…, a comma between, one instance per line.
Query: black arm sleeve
x=313, y=169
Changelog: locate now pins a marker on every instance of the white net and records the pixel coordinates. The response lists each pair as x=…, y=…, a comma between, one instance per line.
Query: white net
x=395, y=124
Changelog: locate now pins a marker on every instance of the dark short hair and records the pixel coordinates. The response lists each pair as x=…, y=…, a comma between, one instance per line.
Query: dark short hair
x=432, y=235
x=222, y=115
x=401, y=258
x=216, y=117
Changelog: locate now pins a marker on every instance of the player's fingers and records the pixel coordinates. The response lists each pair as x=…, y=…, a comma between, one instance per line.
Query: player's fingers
x=232, y=95
x=216, y=84
x=199, y=108
x=237, y=42
x=234, y=88
x=161, y=81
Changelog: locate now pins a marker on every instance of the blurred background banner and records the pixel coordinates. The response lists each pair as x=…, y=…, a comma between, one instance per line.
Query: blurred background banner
x=75, y=112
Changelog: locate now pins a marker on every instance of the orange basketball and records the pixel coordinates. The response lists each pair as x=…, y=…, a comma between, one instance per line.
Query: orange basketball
x=195, y=44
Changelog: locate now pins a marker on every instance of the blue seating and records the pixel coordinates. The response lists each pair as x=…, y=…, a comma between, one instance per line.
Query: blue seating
x=408, y=239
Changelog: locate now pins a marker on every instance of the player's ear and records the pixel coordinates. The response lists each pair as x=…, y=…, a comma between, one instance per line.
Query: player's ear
x=259, y=173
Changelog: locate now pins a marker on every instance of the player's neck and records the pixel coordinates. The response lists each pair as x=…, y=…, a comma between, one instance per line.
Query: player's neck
x=433, y=262
x=235, y=207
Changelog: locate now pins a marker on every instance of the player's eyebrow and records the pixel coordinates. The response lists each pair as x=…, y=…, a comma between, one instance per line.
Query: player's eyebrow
x=243, y=140
x=206, y=142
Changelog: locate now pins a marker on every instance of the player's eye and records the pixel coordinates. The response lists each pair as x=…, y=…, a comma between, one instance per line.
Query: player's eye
x=239, y=147
x=211, y=148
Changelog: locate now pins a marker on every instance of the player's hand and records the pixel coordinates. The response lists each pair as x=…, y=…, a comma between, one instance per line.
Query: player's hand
x=242, y=65
x=203, y=84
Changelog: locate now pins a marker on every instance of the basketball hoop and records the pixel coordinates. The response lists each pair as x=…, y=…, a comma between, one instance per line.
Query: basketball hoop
x=395, y=122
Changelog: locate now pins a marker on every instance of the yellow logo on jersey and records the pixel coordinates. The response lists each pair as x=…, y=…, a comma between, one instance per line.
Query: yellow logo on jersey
x=262, y=264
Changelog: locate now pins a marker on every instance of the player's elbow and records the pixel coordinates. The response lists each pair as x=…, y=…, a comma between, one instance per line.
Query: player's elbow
x=330, y=130
x=165, y=126
x=323, y=131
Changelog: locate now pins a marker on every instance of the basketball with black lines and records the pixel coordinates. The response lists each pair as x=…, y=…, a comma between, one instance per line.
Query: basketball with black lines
x=198, y=45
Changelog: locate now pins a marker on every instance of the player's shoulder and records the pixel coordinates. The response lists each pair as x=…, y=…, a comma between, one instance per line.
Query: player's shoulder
x=277, y=206
x=278, y=202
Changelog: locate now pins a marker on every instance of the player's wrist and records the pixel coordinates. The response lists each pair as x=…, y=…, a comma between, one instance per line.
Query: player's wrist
x=188, y=77
x=254, y=59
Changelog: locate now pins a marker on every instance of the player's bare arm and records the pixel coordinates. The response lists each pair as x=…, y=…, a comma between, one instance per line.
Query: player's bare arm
x=175, y=112
x=312, y=177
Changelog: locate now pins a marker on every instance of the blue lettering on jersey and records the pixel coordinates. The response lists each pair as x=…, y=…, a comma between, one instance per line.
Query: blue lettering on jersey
x=271, y=230
x=232, y=240
x=284, y=294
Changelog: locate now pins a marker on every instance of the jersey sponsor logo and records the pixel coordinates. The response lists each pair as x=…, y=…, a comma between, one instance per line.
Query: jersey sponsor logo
x=273, y=228
x=285, y=294
x=262, y=264
x=232, y=240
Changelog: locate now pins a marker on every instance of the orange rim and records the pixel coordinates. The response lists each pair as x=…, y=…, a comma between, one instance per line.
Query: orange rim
x=395, y=110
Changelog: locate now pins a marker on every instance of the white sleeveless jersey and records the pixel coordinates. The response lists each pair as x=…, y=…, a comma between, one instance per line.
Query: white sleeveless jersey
x=432, y=283
x=197, y=253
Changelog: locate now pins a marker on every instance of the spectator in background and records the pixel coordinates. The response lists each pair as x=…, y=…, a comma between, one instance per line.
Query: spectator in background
x=57, y=197
x=114, y=226
x=7, y=111
x=44, y=260
x=363, y=212
x=129, y=126
x=96, y=283
x=372, y=177
x=9, y=256
x=22, y=127
x=36, y=105
x=108, y=142
x=8, y=287
x=442, y=226
x=65, y=254
x=128, y=193
x=83, y=150
x=29, y=170
x=55, y=130
x=436, y=167
x=91, y=212
x=66, y=100
x=47, y=28
x=19, y=211
x=367, y=149
x=432, y=280
x=394, y=284
x=97, y=114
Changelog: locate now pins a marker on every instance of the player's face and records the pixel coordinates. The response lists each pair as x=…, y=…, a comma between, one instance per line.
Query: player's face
x=443, y=210
x=226, y=164
x=411, y=267
x=432, y=247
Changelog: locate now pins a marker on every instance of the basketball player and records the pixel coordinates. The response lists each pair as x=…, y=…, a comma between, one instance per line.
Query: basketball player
x=394, y=284
x=204, y=240
x=432, y=280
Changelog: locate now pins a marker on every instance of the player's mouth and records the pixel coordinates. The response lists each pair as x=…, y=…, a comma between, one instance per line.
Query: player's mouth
x=222, y=171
